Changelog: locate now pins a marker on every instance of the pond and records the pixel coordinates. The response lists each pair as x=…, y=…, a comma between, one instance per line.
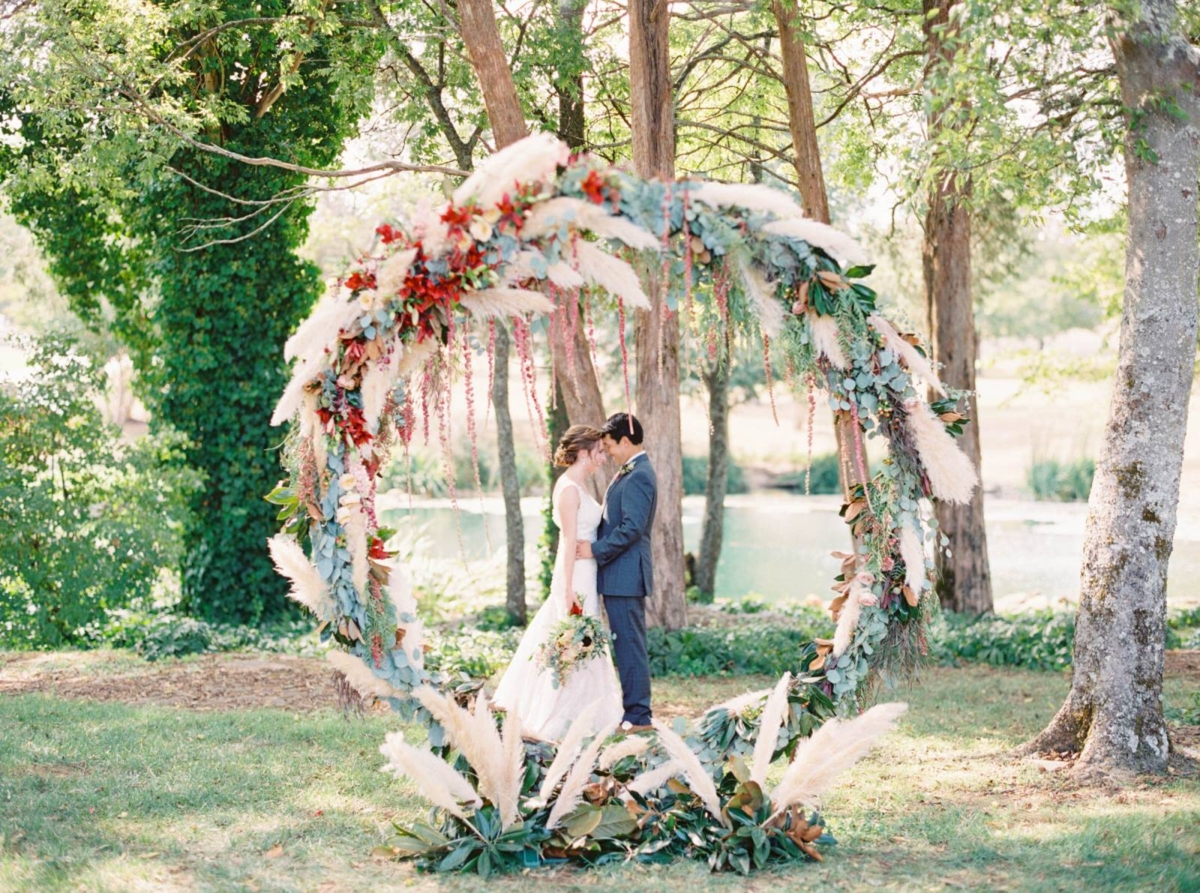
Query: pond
x=778, y=546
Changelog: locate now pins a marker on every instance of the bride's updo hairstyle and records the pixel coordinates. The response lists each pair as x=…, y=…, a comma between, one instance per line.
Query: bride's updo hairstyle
x=578, y=439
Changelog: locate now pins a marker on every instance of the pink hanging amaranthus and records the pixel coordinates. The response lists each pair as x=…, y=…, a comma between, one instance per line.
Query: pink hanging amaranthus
x=812, y=417
x=624, y=354
x=766, y=339
x=524, y=341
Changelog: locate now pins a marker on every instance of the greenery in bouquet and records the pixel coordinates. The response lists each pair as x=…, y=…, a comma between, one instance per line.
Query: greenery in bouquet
x=574, y=641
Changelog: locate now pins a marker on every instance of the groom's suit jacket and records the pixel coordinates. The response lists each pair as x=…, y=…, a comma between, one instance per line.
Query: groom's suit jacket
x=622, y=546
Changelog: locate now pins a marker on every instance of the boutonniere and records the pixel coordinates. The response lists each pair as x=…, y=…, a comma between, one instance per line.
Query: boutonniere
x=625, y=469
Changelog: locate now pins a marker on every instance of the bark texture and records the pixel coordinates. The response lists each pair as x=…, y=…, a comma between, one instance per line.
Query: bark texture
x=814, y=197
x=964, y=581
x=477, y=21
x=810, y=175
x=510, y=484
x=657, y=332
x=1113, y=714
x=712, y=534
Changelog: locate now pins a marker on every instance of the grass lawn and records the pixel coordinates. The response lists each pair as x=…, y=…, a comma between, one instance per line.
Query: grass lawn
x=113, y=796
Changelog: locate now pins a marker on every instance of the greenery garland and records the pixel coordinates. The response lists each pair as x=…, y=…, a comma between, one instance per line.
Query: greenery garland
x=384, y=346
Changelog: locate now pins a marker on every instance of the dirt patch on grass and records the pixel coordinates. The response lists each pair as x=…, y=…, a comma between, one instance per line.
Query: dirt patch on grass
x=211, y=682
x=1183, y=664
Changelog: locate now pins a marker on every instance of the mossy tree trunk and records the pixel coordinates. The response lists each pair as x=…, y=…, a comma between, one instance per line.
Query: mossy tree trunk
x=716, y=380
x=1113, y=714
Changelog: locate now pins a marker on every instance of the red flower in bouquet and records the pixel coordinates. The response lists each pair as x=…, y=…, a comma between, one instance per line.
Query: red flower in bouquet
x=358, y=280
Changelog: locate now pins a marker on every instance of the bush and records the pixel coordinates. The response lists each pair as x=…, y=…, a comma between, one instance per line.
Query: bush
x=1050, y=479
x=90, y=519
x=1038, y=640
x=825, y=478
x=695, y=477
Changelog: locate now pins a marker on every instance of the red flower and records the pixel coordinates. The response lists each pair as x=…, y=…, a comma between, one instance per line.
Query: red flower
x=358, y=281
x=355, y=425
x=386, y=233
x=593, y=187
x=459, y=217
x=377, y=550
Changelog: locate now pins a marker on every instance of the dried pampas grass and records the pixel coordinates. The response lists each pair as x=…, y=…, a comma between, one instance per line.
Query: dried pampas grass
x=751, y=197
x=653, y=779
x=847, y=622
x=307, y=587
x=360, y=677
x=520, y=268
x=629, y=746
x=504, y=302
x=774, y=716
x=564, y=275
x=739, y=704
x=581, y=215
x=611, y=274
x=435, y=779
x=336, y=311
x=918, y=365
x=568, y=750
x=534, y=159
x=393, y=271
x=356, y=544
x=832, y=749
x=293, y=395
x=835, y=243
x=823, y=332
x=913, y=552
x=698, y=778
x=577, y=779
x=416, y=355
x=376, y=385
x=951, y=475
x=768, y=310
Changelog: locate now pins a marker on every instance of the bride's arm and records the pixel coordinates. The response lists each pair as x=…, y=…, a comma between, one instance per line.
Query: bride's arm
x=568, y=512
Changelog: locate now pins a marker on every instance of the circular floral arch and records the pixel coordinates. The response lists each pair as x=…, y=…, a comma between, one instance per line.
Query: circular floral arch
x=512, y=244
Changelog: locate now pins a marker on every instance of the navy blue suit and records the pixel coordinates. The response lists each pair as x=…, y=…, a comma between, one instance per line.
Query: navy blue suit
x=625, y=575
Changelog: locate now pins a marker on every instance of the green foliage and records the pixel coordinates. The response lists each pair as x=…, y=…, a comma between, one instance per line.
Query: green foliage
x=428, y=475
x=1039, y=640
x=204, y=315
x=745, y=648
x=825, y=477
x=1050, y=479
x=91, y=519
x=695, y=477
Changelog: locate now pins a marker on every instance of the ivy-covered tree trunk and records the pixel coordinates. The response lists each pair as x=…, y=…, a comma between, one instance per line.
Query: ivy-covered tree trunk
x=510, y=484
x=964, y=581
x=1113, y=714
x=223, y=315
x=657, y=331
x=712, y=534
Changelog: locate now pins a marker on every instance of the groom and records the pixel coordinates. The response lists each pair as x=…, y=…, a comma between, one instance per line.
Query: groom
x=622, y=553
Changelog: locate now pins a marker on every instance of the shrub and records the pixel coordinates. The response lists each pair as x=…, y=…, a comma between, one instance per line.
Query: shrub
x=1050, y=479
x=1037, y=640
x=825, y=479
x=695, y=477
x=90, y=519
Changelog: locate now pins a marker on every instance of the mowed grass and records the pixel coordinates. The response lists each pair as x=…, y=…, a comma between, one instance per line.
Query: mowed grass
x=115, y=797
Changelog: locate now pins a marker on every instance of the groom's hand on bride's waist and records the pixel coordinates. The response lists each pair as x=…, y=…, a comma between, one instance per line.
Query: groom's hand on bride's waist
x=583, y=549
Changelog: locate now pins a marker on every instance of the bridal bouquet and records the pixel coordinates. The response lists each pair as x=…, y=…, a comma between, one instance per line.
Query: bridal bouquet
x=574, y=641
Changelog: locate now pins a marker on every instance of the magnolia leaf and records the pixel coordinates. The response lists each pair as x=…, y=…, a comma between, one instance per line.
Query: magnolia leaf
x=583, y=821
x=615, y=822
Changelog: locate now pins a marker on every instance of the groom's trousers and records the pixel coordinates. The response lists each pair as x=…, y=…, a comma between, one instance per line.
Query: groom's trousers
x=627, y=620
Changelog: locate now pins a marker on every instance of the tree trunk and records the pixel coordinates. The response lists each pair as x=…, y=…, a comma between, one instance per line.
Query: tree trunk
x=814, y=197
x=801, y=120
x=510, y=483
x=557, y=424
x=1113, y=713
x=712, y=534
x=482, y=37
x=657, y=331
x=964, y=581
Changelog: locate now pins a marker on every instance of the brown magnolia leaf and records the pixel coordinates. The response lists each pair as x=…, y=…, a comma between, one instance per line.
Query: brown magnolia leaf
x=912, y=339
x=949, y=417
x=352, y=630
x=853, y=510
x=823, y=645
x=400, y=634
x=831, y=280
x=704, y=256
x=835, y=606
x=274, y=852
x=697, y=244
x=595, y=792
x=818, y=662
x=841, y=556
x=909, y=596
x=678, y=787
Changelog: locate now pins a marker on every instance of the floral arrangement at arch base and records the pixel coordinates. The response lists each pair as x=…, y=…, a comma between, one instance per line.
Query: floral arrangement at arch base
x=531, y=234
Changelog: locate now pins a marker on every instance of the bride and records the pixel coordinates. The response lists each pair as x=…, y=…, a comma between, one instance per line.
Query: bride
x=546, y=710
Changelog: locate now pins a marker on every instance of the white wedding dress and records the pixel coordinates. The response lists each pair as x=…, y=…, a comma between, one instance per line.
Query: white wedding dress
x=547, y=711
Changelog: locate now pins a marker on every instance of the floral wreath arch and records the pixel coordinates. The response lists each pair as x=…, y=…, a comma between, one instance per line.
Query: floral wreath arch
x=387, y=338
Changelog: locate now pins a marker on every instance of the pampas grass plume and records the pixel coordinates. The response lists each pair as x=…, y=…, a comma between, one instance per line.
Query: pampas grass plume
x=698, y=778
x=503, y=302
x=577, y=779
x=951, y=475
x=629, y=746
x=653, y=779
x=833, y=748
x=568, y=750
x=360, y=677
x=918, y=365
x=435, y=779
x=833, y=242
x=774, y=715
x=752, y=197
x=913, y=553
x=393, y=271
x=824, y=333
x=307, y=587
x=768, y=310
x=610, y=273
